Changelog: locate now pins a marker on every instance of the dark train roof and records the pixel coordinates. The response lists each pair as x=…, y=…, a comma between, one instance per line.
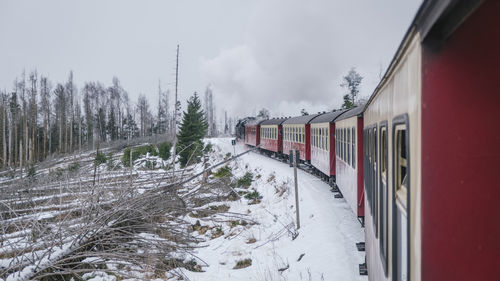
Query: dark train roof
x=357, y=111
x=305, y=119
x=274, y=121
x=328, y=117
x=254, y=122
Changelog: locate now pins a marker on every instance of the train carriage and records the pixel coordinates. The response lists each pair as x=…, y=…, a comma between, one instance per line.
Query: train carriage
x=431, y=133
x=252, y=132
x=241, y=126
x=297, y=135
x=323, y=143
x=349, y=158
x=271, y=135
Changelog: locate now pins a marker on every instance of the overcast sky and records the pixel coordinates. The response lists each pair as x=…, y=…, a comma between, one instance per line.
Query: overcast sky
x=283, y=55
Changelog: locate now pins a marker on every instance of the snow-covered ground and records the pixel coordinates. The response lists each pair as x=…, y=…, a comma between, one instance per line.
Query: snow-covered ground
x=260, y=234
x=326, y=239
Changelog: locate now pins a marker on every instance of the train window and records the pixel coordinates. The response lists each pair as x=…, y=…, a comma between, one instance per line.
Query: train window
x=316, y=137
x=368, y=164
x=324, y=138
x=353, y=148
x=344, y=144
x=401, y=186
x=340, y=143
x=312, y=137
x=383, y=196
x=374, y=180
x=337, y=145
x=348, y=146
x=401, y=164
x=327, y=137
x=321, y=138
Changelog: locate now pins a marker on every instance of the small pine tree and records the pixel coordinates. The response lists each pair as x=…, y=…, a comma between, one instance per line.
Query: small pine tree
x=192, y=130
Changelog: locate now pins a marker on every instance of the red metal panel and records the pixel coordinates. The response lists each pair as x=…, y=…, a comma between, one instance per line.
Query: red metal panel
x=331, y=147
x=280, y=138
x=307, y=130
x=272, y=144
x=252, y=135
x=288, y=145
x=460, y=153
x=359, y=166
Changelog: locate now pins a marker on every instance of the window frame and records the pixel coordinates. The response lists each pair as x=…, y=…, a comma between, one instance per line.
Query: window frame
x=375, y=170
x=402, y=119
x=384, y=197
x=353, y=144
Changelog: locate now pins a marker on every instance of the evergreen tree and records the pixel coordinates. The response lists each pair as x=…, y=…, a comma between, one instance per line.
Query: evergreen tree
x=193, y=128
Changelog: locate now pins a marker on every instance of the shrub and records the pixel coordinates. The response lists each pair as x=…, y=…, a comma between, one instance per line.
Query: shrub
x=255, y=195
x=246, y=180
x=31, y=171
x=73, y=167
x=138, y=152
x=100, y=158
x=208, y=148
x=164, y=150
x=243, y=263
x=223, y=172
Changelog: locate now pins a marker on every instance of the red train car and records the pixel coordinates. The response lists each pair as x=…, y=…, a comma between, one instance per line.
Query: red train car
x=323, y=144
x=271, y=135
x=252, y=132
x=349, y=158
x=431, y=136
x=297, y=135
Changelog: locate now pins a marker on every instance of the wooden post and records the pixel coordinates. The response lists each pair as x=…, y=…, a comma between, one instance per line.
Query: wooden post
x=131, y=166
x=296, y=187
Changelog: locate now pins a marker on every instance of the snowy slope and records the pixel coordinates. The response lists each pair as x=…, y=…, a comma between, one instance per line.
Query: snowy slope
x=327, y=237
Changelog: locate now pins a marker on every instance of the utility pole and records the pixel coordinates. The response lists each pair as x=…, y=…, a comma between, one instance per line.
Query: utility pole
x=296, y=187
x=175, y=111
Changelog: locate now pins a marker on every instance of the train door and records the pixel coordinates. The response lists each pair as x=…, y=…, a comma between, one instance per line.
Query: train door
x=400, y=240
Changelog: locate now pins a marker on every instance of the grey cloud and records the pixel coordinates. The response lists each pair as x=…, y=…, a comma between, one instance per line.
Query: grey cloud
x=295, y=53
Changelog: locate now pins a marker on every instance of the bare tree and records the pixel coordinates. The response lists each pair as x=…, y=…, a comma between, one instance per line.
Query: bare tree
x=70, y=93
x=45, y=89
x=209, y=112
x=60, y=102
x=144, y=114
